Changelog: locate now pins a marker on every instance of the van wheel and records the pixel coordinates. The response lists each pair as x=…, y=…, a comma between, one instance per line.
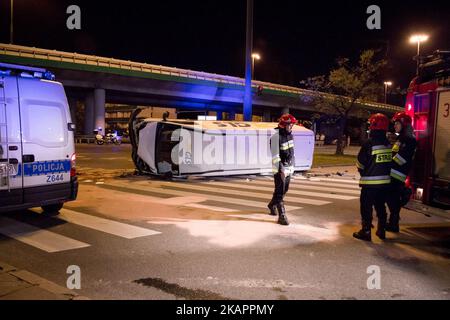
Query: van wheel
x=52, y=209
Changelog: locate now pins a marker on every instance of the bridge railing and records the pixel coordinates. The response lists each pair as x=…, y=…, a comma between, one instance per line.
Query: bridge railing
x=61, y=56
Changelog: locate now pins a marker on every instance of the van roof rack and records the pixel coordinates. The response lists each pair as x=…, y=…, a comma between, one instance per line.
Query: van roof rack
x=40, y=73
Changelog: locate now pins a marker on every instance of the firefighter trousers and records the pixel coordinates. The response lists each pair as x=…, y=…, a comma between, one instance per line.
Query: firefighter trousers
x=373, y=197
x=393, y=201
x=281, y=187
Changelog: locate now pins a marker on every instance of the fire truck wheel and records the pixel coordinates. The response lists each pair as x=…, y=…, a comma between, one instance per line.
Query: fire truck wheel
x=52, y=209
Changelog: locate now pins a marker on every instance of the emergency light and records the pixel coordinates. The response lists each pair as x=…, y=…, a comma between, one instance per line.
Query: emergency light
x=26, y=71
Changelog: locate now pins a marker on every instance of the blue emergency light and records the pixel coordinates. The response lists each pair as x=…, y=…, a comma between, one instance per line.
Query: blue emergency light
x=26, y=71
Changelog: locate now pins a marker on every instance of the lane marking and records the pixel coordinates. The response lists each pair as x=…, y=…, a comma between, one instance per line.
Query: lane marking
x=227, y=200
x=290, y=192
x=39, y=238
x=306, y=186
x=105, y=225
x=247, y=194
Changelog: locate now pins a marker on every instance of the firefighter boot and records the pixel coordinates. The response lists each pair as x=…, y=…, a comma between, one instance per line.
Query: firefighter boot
x=381, y=228
x=282, y=219
x=393, y=226
x=272, y=207
x=365, y=233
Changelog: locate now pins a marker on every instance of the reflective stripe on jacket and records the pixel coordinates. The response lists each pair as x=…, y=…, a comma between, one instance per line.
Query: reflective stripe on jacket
x=403, y=152
x=374, y=163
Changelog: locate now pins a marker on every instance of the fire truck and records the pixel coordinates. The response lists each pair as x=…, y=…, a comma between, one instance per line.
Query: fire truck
x=428, y=104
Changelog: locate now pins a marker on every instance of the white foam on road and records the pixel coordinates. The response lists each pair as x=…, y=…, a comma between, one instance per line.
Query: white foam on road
x=119, y=229
x=232, y=233
x=42, y=239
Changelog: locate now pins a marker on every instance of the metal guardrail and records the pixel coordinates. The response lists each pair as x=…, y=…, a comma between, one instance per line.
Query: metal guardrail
x=61, y=56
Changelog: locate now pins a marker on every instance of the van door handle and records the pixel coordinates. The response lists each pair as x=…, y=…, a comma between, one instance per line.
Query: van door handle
x=27, y=158
x=13, y=148
x=13, y=161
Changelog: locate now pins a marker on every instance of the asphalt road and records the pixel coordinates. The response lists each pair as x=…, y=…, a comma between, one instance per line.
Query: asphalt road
x=135, y=237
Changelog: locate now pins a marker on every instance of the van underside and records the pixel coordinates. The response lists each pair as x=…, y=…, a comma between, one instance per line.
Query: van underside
x=18, y=199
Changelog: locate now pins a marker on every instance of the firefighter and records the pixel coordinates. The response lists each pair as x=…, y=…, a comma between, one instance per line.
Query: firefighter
x=402, y=157
x=282, y=147
x=374, y=165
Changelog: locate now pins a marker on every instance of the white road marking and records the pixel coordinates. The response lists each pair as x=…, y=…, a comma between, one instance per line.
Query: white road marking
x=213, y=208
x=227, y=200
x=256, y=216
x=249, y=194
x=105, y=225
x=304, y=186
x=42, y=239
x=290, y=192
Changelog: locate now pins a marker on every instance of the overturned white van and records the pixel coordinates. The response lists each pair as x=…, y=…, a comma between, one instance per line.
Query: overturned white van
x=210, y=148
x=37, y=150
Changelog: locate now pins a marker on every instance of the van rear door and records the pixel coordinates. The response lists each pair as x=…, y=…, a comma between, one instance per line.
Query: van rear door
x=47, y=148
x=11, y=192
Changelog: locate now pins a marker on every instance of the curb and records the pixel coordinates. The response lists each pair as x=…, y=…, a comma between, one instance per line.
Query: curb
x=35, y=281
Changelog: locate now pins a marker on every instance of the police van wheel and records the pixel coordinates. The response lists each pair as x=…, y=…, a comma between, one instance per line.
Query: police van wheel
x=52, y=209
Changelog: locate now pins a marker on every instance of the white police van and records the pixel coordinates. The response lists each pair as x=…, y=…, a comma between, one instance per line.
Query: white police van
x=37, y=150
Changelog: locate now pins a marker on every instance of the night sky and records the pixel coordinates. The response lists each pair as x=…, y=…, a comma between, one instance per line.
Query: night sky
x=296, y=39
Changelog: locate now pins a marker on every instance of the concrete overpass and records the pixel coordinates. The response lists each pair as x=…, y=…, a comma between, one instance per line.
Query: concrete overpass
x=98, y=80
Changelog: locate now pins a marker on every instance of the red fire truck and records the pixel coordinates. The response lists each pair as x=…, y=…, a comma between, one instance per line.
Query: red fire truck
x=428, y=103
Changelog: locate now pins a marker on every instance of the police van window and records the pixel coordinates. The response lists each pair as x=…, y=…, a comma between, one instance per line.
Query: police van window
x=45, y=125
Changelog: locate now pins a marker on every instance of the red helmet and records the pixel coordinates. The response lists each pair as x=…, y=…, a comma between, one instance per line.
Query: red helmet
x=403, y=118
x=379, y=121
x=286, y=119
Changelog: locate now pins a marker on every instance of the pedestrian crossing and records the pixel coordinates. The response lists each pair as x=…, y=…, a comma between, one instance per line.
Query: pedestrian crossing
x=52, y=242
x=225, y=194
x=231, y=197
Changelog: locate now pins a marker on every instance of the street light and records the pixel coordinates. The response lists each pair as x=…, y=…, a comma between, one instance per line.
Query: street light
x=386, y=85
x=255, y=56
x=11, y=38
x=418, y=38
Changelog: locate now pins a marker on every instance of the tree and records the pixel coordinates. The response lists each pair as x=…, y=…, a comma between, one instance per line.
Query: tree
x=339, y=92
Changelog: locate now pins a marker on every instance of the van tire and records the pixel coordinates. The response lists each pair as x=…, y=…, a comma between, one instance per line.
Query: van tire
x=52, y=209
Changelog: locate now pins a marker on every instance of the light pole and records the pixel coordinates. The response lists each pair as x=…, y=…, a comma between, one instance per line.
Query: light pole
x=11, y=30
x=248, y=63
x=386, y=85
x=255, y=56
x=418, y=38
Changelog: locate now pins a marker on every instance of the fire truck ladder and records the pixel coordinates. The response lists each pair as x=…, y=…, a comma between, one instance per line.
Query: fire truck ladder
x=4, y=174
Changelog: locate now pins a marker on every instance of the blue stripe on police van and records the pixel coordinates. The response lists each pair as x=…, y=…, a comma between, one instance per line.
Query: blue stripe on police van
x=46, y=167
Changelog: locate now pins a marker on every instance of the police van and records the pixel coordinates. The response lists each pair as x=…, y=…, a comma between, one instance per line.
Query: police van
x=37, y=150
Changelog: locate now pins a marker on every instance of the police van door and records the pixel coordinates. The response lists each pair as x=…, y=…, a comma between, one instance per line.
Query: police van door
x=11, y=192
x=46, y=149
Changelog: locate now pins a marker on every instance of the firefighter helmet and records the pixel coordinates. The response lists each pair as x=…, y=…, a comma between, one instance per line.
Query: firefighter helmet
x=403, y=118
x=286, y=119
x=379, y=121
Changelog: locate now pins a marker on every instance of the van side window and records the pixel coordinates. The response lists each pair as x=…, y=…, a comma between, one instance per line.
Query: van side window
x=45, y=125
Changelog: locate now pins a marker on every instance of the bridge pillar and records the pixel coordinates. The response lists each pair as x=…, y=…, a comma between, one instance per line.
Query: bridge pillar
x=266, y=116
x=73, y=109
x=89, y=113
x=99, y=109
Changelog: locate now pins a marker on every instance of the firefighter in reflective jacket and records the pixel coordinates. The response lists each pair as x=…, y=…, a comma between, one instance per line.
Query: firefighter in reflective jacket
x=403, y=152
x=374, y=166
x=282, y=147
